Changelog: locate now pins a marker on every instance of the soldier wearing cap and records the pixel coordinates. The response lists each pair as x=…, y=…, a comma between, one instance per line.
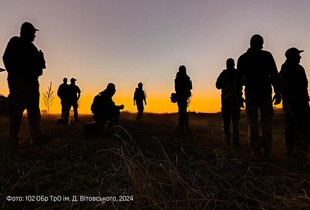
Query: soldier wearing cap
x=104, y=108
x=258, y=70
x=295, y=105
x=63, y=94
x=74, y=96
x=24, y=63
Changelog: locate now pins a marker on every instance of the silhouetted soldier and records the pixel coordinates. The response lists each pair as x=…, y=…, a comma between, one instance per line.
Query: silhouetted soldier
x=183, y=87
x=104, y=108
x=74, y=96
x=231, y=100
x=63, y=93
x=24, y=63
x=258, y=70
x=295, y=104
x=138, y=99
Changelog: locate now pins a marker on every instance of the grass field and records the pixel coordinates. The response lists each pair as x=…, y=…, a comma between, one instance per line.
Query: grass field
x=147, y=165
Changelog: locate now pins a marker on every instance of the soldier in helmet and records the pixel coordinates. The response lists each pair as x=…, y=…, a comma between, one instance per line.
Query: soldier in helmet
x=295, y=105
x=258, y=70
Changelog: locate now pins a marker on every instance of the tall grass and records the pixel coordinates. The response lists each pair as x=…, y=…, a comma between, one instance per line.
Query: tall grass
x=160, y=169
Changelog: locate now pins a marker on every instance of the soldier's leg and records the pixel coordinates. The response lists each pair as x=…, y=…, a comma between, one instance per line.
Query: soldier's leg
x=302, y=125
x=16, y=109
x=266, y=111
x=75, y=109
x=235, y=122
x=252, y=116
x=182, y=114
x=226, y=119
x=289, y=133
x=140, y=111
x=16, y=103
x=33, y=110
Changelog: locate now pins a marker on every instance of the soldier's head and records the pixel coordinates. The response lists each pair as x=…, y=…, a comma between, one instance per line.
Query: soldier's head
x=140, y=85
x=65, y=80
x=72, y=80
x=293, y=55
x=182, y=70
x=230, y=63
x=111, y=89
x=257, y=42
x=28, y=31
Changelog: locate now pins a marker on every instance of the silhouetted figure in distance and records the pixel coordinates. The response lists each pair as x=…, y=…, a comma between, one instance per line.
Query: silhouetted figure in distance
x=63, y=93
x=183, y=87
x=295, y=105
x=258, y=70
x=139, y=100
x=74, y=96
x=24, y=63
x=231, y=99
x=104, y=108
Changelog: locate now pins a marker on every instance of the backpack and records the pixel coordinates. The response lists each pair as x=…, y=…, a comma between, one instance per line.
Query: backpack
x=95, y=105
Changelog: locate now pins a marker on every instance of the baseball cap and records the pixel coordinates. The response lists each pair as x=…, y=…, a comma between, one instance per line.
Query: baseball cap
x=26, y=26
x=72, y=79
x=292, y=52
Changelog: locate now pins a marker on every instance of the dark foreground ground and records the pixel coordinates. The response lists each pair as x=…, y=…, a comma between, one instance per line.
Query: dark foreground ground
x=147, y=165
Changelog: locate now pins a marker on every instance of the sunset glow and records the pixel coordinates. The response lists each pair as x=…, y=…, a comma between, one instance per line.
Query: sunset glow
x=127, y=42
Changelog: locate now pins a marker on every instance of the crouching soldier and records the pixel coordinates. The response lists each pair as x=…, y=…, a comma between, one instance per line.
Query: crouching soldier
x=104, y=108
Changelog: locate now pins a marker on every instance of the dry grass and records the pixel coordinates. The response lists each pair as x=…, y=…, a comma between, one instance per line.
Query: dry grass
x=150, y=161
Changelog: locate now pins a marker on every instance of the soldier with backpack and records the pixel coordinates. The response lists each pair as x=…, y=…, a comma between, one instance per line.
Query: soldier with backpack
x=183, y=87
x=104, y=108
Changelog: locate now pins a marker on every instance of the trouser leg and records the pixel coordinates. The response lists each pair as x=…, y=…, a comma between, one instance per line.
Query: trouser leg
x=252, y=117
x=33, y=110
x=266, y=111
x=235, y=122
x=226, y=119
x=183, y=118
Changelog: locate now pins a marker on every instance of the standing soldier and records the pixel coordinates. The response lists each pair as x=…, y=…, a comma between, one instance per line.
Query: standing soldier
x=63, y=94
x=231, y=100
x=295, y=105
x=24, y=63
x=258, y=70
x=75, y=94
x=183, y=87
x=138, y=99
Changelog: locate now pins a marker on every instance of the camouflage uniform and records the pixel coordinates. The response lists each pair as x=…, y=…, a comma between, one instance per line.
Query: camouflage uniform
x=295, y=105
x=258, y=70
